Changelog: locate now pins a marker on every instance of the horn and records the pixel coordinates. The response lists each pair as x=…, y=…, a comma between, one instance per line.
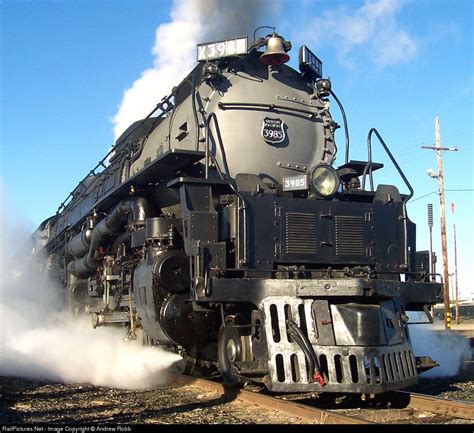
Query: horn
x=275, y=53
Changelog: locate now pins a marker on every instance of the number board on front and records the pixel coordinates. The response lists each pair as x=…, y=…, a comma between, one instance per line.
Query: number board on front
x=295, y=183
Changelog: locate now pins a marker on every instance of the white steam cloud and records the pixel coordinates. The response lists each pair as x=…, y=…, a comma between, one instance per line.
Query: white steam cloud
x=450, y=350
x=174, y=50
x=40, y=341
x=373, y=27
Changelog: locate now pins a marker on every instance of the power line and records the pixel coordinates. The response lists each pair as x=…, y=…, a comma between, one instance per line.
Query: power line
x=436, y=192
x=408, y=161
x=410, y=149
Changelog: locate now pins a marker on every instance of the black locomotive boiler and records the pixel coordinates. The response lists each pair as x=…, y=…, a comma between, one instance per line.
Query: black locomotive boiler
x=219, y=227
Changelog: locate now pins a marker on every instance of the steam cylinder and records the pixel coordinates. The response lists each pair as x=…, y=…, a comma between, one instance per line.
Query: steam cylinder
x=164, y=311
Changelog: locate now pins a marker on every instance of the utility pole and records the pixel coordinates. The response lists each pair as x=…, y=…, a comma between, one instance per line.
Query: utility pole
x=456, y=305
x=444, y=247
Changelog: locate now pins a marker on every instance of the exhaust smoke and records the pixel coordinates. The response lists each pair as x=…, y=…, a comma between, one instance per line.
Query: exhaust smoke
x=174, y=50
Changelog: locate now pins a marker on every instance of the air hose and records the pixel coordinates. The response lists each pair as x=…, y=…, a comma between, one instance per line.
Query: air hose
x=313, y=364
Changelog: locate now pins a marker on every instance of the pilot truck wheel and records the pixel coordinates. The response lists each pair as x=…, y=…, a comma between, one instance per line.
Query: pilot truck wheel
x=232, y=347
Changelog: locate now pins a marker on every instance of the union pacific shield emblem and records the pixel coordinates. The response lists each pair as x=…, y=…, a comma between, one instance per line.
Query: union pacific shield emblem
x=273, y=131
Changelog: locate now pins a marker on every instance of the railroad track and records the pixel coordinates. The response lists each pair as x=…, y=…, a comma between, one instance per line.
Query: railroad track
x=439, y=406
x=395, y=407
x=306, y=413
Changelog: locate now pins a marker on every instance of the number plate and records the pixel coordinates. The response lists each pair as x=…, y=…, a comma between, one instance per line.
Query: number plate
x=295, y=183
x=220, y=49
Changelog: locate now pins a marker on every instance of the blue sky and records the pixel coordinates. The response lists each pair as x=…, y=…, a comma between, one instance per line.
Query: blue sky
x=65, y=66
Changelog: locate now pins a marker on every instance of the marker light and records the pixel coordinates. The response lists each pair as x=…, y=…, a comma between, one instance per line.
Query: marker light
x=325, y=180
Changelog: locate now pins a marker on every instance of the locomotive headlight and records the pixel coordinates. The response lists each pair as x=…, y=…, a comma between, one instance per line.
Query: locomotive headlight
x=325, y=180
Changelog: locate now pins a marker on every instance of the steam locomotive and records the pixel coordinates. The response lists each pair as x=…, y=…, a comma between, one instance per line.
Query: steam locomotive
x=219, y=227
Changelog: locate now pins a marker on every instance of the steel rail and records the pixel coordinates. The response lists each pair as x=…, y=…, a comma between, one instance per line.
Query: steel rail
x=437, y=405
x=306, y=413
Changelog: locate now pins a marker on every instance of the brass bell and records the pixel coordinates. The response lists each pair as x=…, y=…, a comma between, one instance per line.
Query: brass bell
x=275, y=53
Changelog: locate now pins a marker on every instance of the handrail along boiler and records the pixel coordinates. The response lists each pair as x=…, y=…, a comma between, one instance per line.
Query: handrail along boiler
x=219, y=227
